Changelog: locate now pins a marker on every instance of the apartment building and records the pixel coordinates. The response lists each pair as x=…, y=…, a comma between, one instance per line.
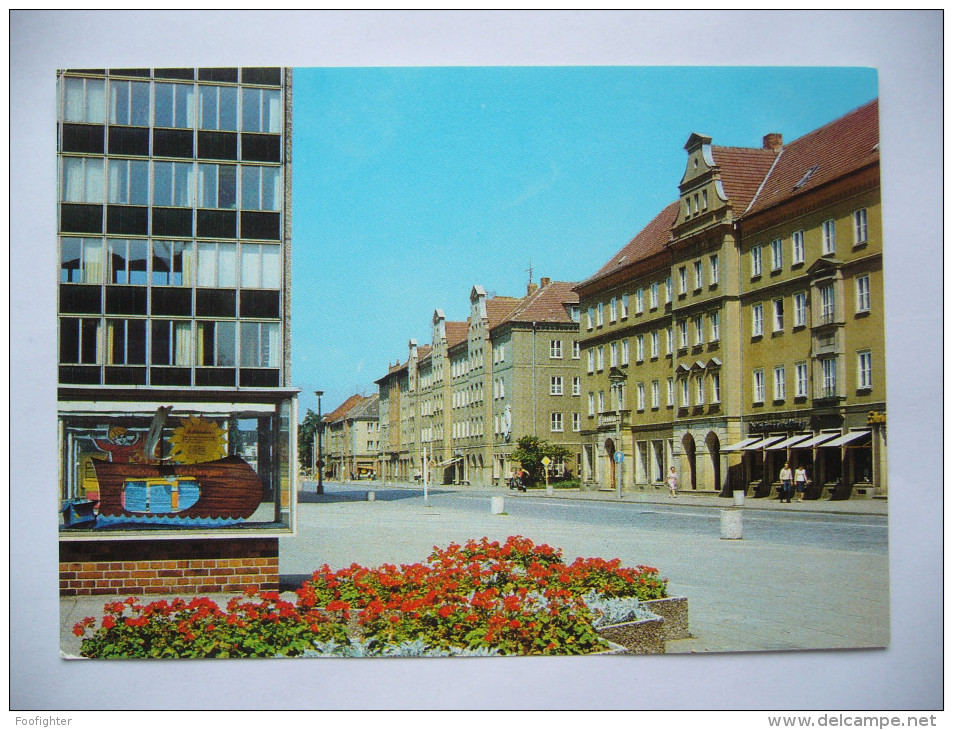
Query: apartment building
x=352, y=438
x=458, y=406
x=741, y=328
x=174, y=234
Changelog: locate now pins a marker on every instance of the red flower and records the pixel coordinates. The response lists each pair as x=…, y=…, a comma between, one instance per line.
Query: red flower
x=108, y=622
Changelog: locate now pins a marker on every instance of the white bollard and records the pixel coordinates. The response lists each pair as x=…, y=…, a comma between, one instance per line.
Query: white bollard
x=739, y=496
x=371, y=496
x=731, y=526
x=496, y=505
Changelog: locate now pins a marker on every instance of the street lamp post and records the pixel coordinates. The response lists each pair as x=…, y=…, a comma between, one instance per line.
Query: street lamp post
x=319, y=462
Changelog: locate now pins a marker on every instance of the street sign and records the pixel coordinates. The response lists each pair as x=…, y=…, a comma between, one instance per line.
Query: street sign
x=617, y=457
x=546, y=461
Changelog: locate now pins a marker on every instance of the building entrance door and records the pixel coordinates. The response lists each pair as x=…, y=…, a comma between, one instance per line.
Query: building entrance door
x=610, y=464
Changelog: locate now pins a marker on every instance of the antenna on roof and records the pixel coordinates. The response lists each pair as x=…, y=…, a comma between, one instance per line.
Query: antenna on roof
x=530, y=269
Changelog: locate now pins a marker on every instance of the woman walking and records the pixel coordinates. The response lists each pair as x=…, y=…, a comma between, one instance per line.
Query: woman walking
x=672, y=483
x=800, y=482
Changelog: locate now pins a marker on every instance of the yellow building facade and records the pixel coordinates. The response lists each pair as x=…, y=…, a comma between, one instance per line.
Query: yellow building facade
x=743, y=327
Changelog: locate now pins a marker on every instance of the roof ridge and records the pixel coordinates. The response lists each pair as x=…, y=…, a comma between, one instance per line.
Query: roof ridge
x=764, y=180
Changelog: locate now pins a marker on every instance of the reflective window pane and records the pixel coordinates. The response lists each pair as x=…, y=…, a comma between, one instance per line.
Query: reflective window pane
x=271, y=267
x=225, y=343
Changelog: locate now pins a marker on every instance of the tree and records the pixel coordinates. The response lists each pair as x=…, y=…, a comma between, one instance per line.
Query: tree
x=529, y=453
x=306, y=433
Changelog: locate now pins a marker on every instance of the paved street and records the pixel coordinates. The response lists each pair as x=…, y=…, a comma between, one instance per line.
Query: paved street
x=814, y=579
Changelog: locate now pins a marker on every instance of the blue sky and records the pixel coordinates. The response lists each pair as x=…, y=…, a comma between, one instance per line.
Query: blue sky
x=410, y=185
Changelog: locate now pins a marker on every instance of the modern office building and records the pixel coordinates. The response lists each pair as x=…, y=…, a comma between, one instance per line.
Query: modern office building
x=174, y=223
x=743, y=326
x=459, y=405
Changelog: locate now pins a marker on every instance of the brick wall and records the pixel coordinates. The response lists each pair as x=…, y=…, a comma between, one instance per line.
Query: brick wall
x=168, y=566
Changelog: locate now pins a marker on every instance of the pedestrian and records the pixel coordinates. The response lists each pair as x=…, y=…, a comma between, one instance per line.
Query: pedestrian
x=787, y=479
x=800, y=482
x=511, y=479
x=672, y=483
x=522, y=477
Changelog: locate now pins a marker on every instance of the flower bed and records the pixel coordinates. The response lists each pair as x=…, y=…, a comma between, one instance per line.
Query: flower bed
x=200, y=628
x=480, y=598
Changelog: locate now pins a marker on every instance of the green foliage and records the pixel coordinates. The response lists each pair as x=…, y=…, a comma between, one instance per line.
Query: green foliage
x=306, y=435
x=529, y=453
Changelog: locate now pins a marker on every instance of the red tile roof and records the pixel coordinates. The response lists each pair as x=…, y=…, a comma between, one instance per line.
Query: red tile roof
x=741, y=170
x=546, y=304
x=648, y=242
x=343, y=408
x=499, y=308
x=456, y=332
x=836, y=149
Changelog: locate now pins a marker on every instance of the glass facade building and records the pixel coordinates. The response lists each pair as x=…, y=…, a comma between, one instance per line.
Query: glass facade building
x=174, y=222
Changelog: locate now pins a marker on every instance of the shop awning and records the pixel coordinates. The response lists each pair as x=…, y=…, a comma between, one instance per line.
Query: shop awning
x=819, y=439
x=763, y=443
x=788, y=443
x=741, y=444
x=847, y=438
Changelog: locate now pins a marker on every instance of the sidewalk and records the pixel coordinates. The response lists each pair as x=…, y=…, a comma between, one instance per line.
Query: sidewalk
x=855, y=506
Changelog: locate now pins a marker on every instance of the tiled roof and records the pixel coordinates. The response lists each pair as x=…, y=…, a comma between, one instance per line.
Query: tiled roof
x=836, y=149
x=648, y=242
x=367, y=409
x=546, y=304
x=343, y=408
x=499, y=308
x=456, y=332
x=741, y=170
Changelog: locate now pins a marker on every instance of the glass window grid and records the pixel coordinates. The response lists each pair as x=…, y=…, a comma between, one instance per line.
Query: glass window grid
x=797, y=247
x=863, y=293
x=864, y=370
x=757, y=320
x=860, y=226
x=756, y=261
x=800, y=309
x=779, y=384
x=800, y=379
x=758, y=383
x=777, y=256
x=828, y=237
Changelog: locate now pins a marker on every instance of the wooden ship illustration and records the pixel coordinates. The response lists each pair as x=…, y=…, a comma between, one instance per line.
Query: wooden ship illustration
x=226, y=488
x=190, y=488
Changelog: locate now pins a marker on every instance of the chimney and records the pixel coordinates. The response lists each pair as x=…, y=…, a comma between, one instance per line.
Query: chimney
x=530, y=288
x=544, y=281
x=773, y=142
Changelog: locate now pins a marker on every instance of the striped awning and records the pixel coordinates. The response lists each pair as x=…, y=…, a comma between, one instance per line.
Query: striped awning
x=788, y=443
x=819, y=439
x=741, y=444
x=763, y=443
x=847, y=438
